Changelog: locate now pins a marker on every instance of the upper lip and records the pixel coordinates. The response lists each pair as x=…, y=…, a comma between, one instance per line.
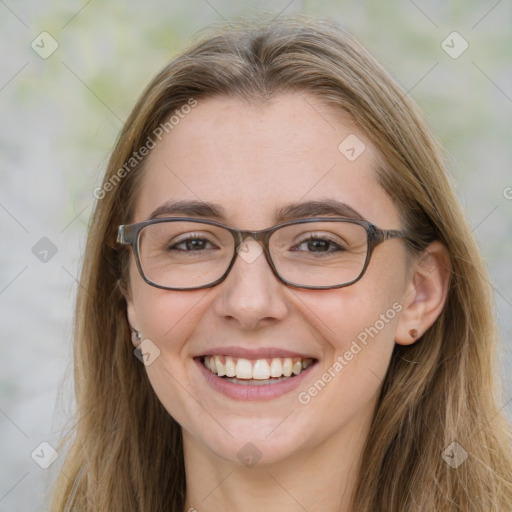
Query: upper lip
x=248, y=353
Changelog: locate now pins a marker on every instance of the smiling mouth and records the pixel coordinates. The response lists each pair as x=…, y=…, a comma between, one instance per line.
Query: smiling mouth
x=258, y=371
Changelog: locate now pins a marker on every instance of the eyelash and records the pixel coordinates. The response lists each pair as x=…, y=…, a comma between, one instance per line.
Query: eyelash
x=322, y=239
x=193, y=237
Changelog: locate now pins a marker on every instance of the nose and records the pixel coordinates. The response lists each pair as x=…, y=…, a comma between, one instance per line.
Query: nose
x=251, y=295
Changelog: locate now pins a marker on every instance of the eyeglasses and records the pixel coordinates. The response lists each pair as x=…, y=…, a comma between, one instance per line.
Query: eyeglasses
x=181, y=253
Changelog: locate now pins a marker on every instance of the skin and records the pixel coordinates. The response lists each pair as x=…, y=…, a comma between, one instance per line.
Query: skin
x=251, y=160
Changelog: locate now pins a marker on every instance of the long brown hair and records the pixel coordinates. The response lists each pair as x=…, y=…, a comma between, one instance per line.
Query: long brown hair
x=126, y=451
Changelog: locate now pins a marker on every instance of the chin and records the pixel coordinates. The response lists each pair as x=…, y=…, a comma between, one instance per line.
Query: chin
x=253, y=441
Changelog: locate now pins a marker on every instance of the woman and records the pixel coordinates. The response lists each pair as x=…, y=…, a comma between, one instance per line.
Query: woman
x=277, y=242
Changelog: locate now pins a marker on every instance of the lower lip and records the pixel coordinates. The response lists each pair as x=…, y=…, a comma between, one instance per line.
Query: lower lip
x=248, y=392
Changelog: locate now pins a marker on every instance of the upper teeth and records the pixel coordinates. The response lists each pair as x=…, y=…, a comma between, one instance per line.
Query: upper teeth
x=259, y=369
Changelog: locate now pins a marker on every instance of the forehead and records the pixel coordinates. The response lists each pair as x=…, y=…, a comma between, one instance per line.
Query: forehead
x=251, y=160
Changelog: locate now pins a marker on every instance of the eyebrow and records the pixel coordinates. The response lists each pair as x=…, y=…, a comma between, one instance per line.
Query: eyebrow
x=317, y=208
x=188, y=209
x=292, y=211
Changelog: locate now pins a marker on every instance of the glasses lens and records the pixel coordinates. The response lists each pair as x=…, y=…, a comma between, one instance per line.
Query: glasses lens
x=319, y=253
x=184, y=254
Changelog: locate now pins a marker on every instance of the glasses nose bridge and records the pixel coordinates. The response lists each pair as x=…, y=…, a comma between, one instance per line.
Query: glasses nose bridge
x=261, y=237
x=241, y=235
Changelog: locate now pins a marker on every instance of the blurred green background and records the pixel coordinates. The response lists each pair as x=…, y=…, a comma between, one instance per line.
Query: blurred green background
x=61, y=116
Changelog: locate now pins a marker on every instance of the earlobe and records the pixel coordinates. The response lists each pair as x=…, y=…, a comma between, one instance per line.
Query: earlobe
x=131, y=313
x=133, y=321
x=426, y=294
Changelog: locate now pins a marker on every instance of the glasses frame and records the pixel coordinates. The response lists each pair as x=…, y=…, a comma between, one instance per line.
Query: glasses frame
x=128, y=234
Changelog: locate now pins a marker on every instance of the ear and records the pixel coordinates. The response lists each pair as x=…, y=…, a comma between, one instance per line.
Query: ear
x=425, y=295
x=131, y=312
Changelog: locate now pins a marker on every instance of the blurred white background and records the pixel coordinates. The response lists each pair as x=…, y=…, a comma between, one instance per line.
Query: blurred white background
x=60, y=115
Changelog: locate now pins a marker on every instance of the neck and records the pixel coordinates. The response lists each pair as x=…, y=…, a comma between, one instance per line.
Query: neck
x=321, y=477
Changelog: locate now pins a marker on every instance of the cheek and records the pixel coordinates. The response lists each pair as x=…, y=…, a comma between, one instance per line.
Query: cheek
x=357, y=325
x=164, y=315
x=168, y=317
x=359, y=338
x=366, y=346
x=349, y=314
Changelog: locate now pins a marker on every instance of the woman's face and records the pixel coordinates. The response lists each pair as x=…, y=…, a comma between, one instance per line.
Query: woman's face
x=251, y=161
